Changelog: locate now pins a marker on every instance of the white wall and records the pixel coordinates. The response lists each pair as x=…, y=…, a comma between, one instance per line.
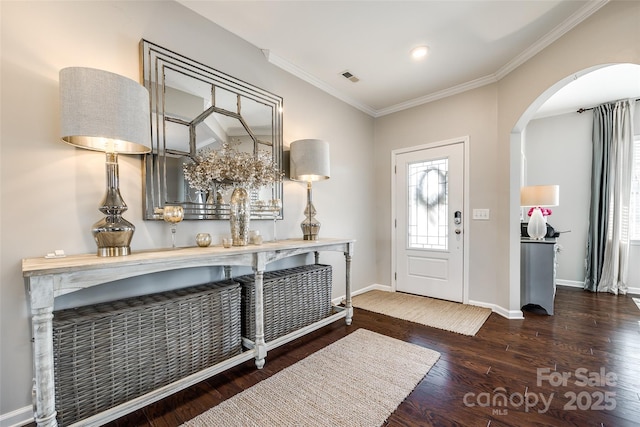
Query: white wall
x=51, y=191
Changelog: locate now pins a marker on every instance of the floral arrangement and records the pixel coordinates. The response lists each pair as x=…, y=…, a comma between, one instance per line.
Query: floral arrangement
x=228, y=167
x=545, y=211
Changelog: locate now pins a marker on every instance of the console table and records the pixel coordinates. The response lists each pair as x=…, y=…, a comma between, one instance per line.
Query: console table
x=48, y=278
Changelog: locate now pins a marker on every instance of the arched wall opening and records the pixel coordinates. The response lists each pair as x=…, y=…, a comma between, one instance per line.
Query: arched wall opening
x=516, y=174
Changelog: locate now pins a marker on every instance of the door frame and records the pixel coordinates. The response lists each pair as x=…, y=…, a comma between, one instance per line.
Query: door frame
x=464, y=140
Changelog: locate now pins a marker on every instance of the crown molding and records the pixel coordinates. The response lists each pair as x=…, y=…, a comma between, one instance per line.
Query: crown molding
x=454, y=90
x=586, y=11
x=309, y=78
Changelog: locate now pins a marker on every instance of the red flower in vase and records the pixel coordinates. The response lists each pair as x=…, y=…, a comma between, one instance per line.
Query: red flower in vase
x=545, y=211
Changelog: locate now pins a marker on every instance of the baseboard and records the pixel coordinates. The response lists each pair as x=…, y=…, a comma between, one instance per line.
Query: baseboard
x=634, y=291
x=573, y=284
x=508, y=314
x=340, y=299
x=17, y=418
x=570, y=283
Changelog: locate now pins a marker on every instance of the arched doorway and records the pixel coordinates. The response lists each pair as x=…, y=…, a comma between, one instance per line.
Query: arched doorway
x=517, y=140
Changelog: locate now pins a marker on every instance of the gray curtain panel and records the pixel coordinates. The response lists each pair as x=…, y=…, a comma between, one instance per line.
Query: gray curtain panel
x=608, y=240
x=599, y=208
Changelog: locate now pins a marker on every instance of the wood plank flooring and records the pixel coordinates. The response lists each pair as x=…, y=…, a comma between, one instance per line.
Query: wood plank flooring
x=491, y=379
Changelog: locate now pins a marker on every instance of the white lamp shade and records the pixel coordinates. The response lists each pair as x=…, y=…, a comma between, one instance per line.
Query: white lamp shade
x=104, y=111
x=309, y=160
x=540, y=195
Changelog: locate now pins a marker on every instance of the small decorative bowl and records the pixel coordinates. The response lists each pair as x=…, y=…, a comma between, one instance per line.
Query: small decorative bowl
x=203, y=239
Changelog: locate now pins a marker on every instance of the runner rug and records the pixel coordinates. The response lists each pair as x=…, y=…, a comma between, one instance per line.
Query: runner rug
x=358, y=380
x=451, y=316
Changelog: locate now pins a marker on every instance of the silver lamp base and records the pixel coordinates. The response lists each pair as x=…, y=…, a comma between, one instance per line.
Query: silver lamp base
x=113, y=233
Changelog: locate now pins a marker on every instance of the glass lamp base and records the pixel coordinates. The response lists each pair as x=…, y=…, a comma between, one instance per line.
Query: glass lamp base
x=310, y=229
x=537, y=227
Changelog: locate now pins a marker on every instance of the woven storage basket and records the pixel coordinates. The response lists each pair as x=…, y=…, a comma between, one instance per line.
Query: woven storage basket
x=293, y=298
x=109, y=353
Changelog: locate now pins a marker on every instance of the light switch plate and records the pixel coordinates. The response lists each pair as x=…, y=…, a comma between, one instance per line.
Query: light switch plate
x=481, y=214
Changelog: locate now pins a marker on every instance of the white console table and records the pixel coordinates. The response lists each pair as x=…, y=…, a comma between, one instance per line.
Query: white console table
x=47, y=279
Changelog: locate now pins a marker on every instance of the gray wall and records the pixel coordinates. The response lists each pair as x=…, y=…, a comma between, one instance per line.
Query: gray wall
x=473, y=114
x=558, y=151
x=51, y=191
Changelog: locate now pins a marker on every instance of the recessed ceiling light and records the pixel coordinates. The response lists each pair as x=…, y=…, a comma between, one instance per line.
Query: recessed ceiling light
x=419, y=52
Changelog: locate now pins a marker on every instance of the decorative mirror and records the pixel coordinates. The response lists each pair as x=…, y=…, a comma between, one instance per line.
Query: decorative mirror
x=195, y=110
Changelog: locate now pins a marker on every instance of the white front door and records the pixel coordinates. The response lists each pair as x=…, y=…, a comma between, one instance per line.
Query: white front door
x=429, y=205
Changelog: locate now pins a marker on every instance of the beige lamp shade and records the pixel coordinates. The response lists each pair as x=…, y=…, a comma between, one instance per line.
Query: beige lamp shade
x=104, y=111
x=309, y=160
x=540, y=195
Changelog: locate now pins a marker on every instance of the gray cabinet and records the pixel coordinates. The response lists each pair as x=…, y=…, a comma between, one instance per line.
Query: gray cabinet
x=538, y=273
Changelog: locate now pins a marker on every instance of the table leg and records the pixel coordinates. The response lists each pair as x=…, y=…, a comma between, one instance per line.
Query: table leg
x=44, y=389
x=260, y=346
x=348, y=306
x=227, y=272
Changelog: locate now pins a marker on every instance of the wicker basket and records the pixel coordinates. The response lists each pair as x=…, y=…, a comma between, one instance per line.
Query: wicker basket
x=293, y=298
x=109, y=353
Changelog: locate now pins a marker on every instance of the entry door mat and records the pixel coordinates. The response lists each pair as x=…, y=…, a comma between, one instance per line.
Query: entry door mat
x=450, y=316
x=358, y=380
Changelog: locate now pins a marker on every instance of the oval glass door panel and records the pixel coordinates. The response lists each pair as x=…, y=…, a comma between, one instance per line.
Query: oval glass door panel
x=428, y=207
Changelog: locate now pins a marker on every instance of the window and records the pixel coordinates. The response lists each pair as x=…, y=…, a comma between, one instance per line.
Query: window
x=634, y=218
x=428, y=205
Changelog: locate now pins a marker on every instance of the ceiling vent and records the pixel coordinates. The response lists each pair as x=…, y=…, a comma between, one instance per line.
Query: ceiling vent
x=347, y=75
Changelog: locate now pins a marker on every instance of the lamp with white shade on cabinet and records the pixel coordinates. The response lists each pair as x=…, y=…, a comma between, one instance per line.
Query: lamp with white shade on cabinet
x=103, y=111
x=537, y=197
x=309, y=162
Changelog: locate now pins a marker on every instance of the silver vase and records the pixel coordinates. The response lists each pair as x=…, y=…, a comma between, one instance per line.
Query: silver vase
x=240, y=212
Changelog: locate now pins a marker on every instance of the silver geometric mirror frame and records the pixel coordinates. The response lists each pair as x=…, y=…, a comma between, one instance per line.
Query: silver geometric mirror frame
x=195, y=108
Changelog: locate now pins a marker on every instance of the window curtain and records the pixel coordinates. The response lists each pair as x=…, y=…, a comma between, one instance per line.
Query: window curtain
x=608, y=239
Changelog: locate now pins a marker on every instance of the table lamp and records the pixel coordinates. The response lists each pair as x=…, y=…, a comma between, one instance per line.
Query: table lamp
x=309, y=161
x=103, y=111
x=538, y=196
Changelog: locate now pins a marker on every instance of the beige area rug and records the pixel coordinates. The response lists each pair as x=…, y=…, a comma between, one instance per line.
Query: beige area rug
x=450, y=316
x=358, y=380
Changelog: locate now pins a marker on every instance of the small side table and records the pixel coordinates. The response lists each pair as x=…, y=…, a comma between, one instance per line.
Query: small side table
x=538, y=259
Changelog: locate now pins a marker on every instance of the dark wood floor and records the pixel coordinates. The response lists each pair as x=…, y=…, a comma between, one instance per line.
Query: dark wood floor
x=589, y=335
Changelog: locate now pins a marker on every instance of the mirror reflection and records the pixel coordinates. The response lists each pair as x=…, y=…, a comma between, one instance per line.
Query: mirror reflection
x=196, y=110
